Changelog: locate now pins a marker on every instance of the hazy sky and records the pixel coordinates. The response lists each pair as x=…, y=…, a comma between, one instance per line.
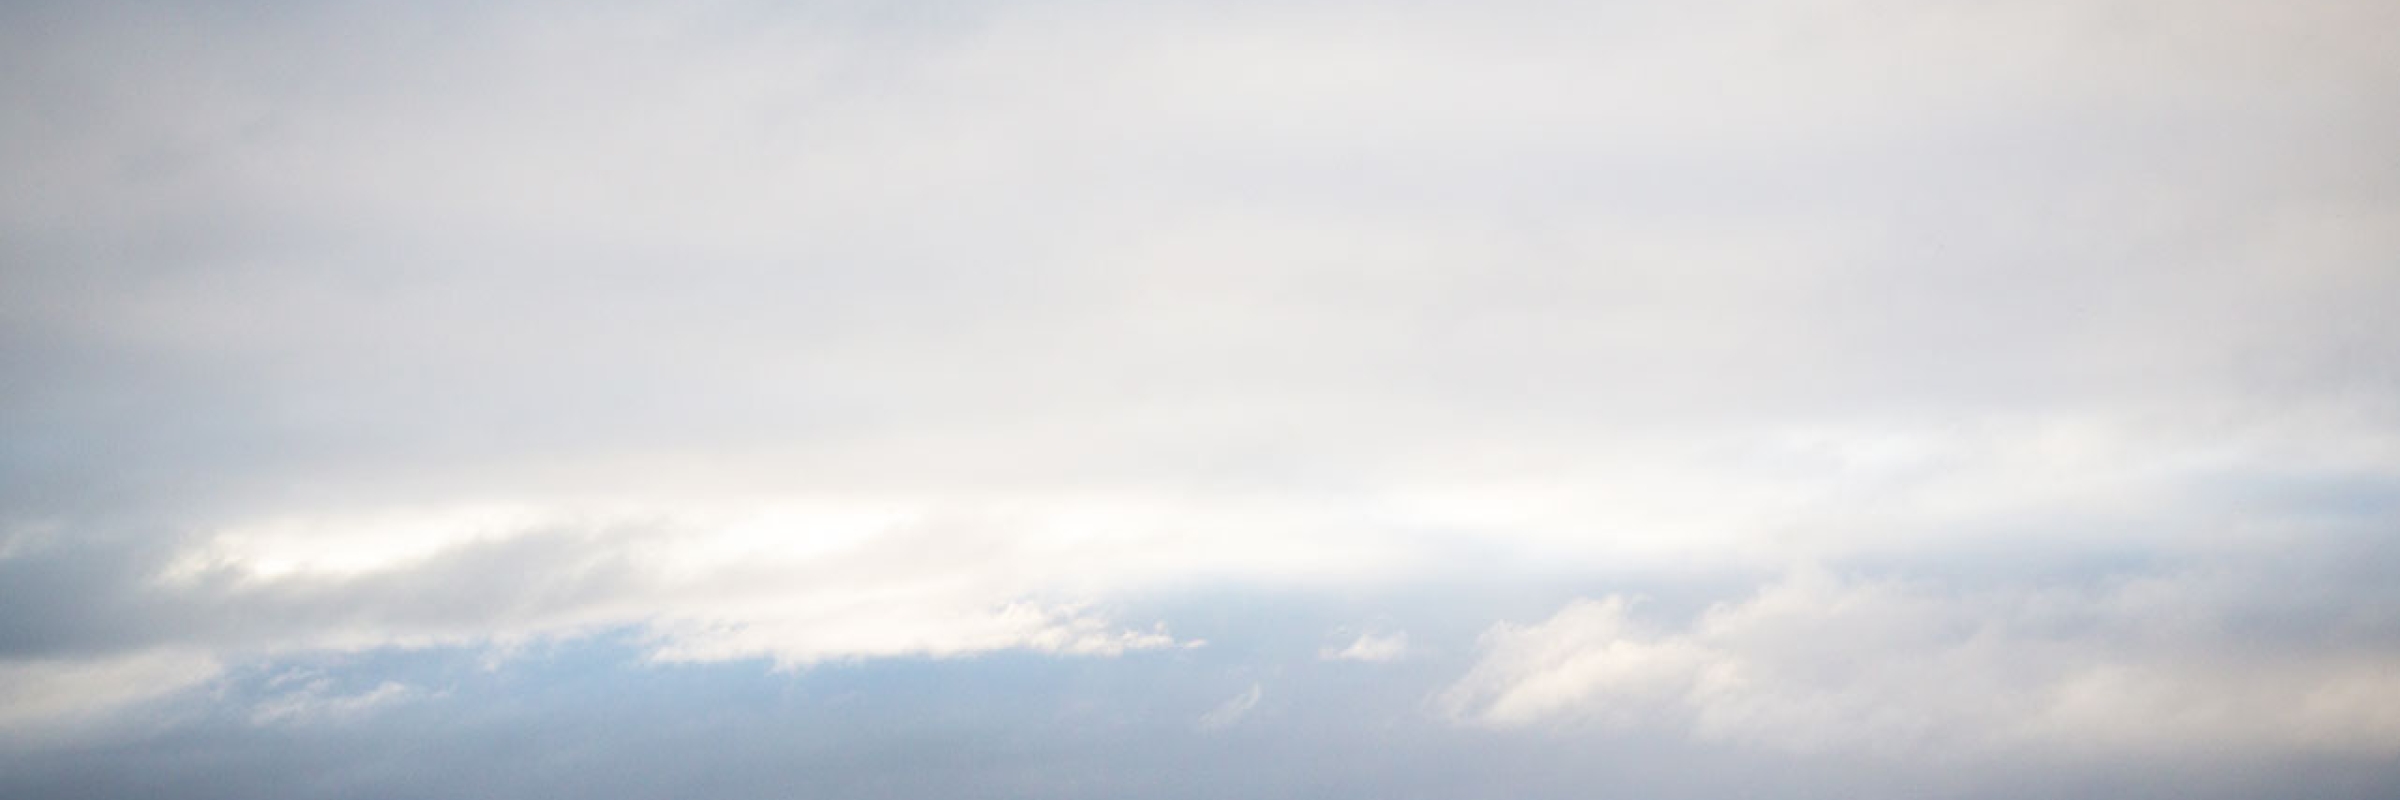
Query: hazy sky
x=1840, y=398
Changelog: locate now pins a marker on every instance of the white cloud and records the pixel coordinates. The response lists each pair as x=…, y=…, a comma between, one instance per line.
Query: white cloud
x=1817, y=663
x=798, y=637
x=1370, y=646
x=316, y=701
x=794, y=583
x=1233, y=711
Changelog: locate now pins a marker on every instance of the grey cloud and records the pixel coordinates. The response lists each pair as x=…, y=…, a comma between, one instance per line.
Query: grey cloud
x=1848, y=279
x=77, y=599
x=1112, y=303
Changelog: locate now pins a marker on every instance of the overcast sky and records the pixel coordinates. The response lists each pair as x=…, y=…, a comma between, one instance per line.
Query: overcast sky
x=1047, y=398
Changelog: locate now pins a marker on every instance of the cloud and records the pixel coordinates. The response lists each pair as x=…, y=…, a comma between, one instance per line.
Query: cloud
x=826, y=332
x=800, y=639
x=315, y=700
x=1233, y=711
x=1160, y=261
x=54, y=698
x=1815, y=663
x=797, y=587
x=1370, y=646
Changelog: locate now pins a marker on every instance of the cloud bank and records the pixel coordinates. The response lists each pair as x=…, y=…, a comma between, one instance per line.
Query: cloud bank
x=2016, y=381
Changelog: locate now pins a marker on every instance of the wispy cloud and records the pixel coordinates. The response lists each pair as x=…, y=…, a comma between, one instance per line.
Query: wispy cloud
x=1370, y=646
x=315, y=700
x=1816, y=662
x=1233, y=711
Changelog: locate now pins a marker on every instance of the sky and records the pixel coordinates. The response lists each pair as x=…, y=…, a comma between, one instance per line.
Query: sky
x=1177, y=399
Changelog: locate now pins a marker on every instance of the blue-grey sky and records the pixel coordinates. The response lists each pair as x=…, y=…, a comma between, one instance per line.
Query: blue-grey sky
x=1039, y=398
